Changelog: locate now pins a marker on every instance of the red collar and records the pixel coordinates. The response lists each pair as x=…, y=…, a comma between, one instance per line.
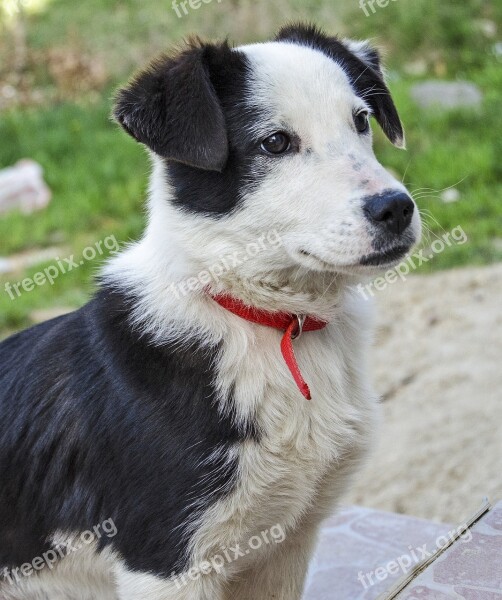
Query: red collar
x=292, y=325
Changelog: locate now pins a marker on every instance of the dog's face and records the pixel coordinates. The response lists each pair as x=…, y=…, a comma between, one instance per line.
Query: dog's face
x=275, y=136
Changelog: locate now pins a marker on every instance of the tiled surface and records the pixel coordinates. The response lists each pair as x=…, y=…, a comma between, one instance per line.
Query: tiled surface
x=471, y=570
x=358, y=541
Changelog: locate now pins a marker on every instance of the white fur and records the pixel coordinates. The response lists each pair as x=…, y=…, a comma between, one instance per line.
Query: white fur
x=83, y=575
x=309, y=450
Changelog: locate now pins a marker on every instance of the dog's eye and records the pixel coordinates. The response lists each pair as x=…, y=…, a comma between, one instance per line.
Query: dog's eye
x=361, y=121
x=277, y=143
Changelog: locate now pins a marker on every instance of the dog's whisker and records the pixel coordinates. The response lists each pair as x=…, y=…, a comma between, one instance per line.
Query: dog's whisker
x=438, y=191
x=406, y=170
x=428, y=215
x=361, y=74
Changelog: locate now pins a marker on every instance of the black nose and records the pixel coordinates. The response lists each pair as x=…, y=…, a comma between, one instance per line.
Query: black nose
x=392, y=210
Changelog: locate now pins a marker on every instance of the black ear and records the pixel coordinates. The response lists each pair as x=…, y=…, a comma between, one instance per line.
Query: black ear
x=366, y=54
x=371, y=86
x=172, y=107
x=361, y=62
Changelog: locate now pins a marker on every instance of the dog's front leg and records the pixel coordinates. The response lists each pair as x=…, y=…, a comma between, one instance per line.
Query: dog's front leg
x=281, y=574
x=144, y=586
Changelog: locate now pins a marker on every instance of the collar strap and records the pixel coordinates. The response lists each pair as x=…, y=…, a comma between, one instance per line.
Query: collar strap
x=292, y=325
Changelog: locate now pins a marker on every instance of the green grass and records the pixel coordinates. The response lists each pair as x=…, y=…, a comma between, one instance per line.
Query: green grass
x=98, y=175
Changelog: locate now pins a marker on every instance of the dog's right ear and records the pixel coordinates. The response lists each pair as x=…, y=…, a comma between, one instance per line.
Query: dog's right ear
x=172, y=107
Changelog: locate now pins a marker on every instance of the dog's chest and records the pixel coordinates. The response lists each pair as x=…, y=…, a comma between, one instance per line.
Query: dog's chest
x=301, y=444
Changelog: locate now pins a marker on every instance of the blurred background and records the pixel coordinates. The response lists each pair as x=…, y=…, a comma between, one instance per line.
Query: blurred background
x=438, y=347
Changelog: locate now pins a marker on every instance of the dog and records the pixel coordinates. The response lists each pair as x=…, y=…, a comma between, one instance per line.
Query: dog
x=211, y=403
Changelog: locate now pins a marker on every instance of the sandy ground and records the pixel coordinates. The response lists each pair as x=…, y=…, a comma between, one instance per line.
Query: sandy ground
x=438, y=366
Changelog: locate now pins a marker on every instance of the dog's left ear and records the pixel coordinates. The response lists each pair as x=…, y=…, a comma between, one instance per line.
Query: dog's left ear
x=365, y=53
x=173, y=108
x=370, y=84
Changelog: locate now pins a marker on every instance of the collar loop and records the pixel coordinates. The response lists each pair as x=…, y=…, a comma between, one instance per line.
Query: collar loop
x=299, y=328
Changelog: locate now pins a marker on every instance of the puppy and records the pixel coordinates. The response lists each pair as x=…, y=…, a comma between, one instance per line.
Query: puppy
x=175, y=405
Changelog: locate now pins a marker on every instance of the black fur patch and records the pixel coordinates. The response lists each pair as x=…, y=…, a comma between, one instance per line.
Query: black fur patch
x=218, y=193
x=99, y=424
x=191, y=110
x=172, y=108
x=365, y=75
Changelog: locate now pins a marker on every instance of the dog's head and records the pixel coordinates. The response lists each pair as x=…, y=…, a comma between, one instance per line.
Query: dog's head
x=274, y=136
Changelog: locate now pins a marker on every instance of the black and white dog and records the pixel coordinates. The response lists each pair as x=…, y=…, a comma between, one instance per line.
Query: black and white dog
x=165, y=405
